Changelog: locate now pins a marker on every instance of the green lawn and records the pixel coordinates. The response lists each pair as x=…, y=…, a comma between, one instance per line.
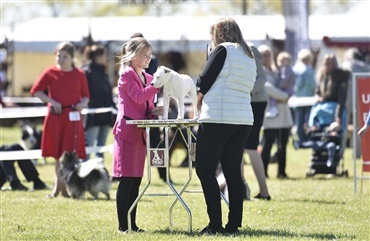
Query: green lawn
x=301, y=208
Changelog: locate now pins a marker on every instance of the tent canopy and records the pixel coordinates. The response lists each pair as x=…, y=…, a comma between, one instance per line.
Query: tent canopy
x=45, y=33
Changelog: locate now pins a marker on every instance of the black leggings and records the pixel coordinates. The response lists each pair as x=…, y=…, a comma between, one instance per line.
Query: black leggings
x=225, y=144
x=269, y=138
x=127, y=192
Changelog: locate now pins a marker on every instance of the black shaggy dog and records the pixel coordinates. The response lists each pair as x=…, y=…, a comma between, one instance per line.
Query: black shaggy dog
x=91, y=176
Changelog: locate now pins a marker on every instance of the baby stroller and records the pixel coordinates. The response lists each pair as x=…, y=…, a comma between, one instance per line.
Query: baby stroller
x=322, y=115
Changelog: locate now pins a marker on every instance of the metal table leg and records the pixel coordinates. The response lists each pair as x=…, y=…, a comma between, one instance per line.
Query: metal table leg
x=178, y=194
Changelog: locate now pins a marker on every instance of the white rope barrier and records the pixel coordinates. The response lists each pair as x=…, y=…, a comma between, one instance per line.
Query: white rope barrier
x=26, y=100
x=36, y=154
x=41, y=111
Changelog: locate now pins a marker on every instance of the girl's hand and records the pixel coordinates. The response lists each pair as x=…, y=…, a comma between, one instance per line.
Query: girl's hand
x=157, y=110
x=56, y=106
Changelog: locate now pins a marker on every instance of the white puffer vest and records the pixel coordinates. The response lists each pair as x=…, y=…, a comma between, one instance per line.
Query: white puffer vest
x=228, y=100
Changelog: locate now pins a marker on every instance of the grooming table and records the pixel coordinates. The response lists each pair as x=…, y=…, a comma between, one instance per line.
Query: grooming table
x=159, y=157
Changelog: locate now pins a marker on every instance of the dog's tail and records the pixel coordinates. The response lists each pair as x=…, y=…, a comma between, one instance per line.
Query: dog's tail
x=92, y=164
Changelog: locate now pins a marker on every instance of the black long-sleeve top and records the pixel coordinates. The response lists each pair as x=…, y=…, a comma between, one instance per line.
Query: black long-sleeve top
x=100, y=94
x=212, y=69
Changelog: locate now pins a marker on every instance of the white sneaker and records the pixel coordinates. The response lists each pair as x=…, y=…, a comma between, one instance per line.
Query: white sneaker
x=272, y=112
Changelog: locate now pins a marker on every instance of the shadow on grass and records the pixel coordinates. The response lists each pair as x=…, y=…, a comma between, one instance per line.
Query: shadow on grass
x=287, y=234
x=314, y=201
x=260, y=233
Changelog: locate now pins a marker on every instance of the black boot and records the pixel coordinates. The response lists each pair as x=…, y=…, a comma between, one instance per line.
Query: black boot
x=39, y=185
x=17, y=186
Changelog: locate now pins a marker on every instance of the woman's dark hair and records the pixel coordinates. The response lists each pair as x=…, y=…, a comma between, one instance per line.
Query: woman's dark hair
x=227, y=30
x=93, y=51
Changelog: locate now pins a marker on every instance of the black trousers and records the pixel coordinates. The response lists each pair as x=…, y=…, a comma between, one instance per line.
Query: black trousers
x=7, y=169
x=269, y=138
x=127, y=192
x=221, y=143
x=8, y=172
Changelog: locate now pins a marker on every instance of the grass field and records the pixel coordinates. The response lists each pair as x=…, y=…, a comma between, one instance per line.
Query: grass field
x=301, y=208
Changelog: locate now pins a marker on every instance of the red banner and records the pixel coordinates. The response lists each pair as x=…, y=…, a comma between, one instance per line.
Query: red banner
x=363, y=100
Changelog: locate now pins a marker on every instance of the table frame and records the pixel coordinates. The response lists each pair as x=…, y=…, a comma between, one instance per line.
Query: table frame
x=167, y=124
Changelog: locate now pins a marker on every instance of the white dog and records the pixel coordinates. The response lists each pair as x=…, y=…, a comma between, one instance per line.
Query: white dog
x=177, y=86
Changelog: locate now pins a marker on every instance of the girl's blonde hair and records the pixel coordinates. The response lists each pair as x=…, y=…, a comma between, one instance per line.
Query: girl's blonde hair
x=263, y=48
x=131, y=49
x=227, y=30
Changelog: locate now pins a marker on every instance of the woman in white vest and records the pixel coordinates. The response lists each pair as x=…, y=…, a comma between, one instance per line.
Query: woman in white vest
x=226, y=119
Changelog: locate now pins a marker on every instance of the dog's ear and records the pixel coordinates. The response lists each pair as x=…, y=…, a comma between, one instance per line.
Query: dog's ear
x=62, y=157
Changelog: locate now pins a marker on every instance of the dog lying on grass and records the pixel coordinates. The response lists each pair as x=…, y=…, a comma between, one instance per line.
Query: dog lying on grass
x=177, y=86
x=91, y=176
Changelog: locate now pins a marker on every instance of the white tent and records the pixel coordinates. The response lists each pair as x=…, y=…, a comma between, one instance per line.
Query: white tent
x=42, y=34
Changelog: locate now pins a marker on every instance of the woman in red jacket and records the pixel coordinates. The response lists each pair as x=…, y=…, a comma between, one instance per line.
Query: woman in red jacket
x=68, y=94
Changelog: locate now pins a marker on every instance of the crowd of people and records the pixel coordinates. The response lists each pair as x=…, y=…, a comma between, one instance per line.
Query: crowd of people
x=254, y=88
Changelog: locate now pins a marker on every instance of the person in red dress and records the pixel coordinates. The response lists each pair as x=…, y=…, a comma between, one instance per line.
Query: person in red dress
x=68, y=94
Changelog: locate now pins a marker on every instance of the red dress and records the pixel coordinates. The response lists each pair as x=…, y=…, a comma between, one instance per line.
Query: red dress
x=60, y=133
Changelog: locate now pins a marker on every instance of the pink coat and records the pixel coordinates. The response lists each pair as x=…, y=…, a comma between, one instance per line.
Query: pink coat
x=134, y=102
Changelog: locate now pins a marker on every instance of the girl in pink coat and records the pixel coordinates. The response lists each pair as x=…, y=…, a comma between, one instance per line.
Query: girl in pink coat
x=135, y=97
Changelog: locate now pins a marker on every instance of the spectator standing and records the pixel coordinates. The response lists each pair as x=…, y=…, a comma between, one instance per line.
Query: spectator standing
x=98, y=124
x=258, y=103
x=135, y=102
x=68, y=94
x=277, y=128
x=305, y=85
x=227, y=81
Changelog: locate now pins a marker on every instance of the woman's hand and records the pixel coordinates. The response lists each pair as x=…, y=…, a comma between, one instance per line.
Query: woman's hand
x=157, y=110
